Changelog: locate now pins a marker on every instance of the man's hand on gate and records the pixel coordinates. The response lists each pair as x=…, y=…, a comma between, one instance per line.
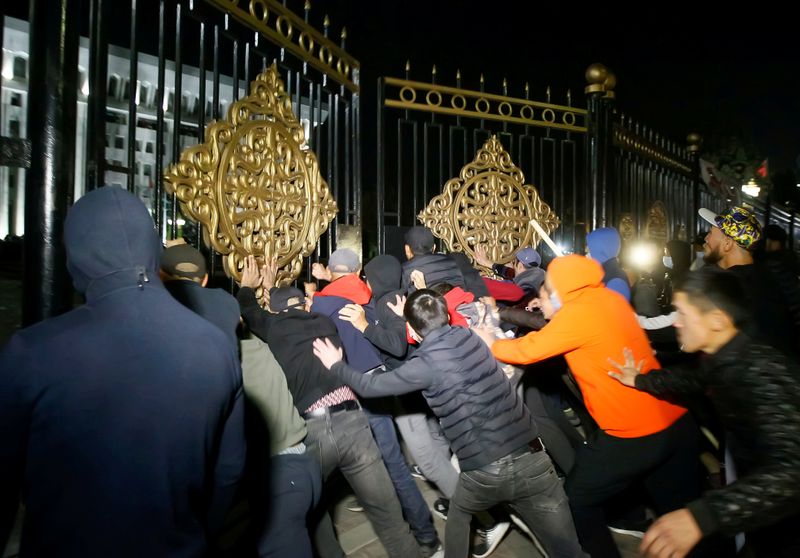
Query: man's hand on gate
x=251, y=277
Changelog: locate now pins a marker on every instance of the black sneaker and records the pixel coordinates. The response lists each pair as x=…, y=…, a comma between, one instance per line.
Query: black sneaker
x=432, y=550
x=440, y=507
x=488, y=539
x=416, y=472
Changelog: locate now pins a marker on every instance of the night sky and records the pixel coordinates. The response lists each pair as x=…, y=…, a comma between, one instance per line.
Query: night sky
x=717, y=71
x=722, y=72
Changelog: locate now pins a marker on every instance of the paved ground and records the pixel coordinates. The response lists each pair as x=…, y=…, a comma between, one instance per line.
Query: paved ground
x=359, y=540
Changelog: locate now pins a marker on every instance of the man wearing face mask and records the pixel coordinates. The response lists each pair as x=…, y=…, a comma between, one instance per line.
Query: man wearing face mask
x=641, y=438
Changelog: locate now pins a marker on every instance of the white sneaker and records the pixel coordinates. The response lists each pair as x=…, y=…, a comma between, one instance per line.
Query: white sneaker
x=521, y=525
x=353, y=505
x=488, y=539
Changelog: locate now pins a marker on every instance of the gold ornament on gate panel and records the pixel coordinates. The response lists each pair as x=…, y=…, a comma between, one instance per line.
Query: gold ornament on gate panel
x=657, y=226
x=490, y=204
x=254, y=184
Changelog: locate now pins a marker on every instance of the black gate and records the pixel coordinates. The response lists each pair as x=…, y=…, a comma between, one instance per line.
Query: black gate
x=120, y=104
x=427, y=132
x=593, y=166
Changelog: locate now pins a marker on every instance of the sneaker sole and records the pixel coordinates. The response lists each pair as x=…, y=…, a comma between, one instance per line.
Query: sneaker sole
x=629, y=532
x=440, y=514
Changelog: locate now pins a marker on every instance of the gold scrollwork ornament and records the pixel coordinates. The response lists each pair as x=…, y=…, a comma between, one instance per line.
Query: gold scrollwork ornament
x=254, y=184
x=488, y=204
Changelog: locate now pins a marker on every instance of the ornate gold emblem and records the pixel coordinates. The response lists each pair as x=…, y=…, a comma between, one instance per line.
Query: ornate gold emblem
x=657, y=226
x=627, y=227
x=488, y=203
x=254, y=184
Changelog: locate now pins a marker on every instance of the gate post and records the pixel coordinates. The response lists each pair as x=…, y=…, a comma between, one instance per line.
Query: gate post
x=694, y=142
x=600, y=136
x=52, y=106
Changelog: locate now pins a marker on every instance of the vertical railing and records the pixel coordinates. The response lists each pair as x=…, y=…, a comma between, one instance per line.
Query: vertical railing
x=52, y=107
x=144, y=106
x=599, y=137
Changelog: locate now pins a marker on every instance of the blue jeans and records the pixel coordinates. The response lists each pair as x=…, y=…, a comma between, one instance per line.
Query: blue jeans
x=530, y=486
x=344, y=440
x=415, y=509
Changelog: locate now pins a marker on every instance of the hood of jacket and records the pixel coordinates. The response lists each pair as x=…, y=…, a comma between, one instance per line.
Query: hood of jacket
x=569, y=275
x=111, y=243
x=604, y=244
x=350, y=287
x=383, y=273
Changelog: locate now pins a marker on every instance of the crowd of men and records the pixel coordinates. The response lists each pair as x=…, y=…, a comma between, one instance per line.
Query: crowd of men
x=141, y=422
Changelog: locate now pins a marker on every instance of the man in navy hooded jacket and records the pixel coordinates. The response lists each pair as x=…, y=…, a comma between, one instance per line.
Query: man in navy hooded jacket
x=123, y=418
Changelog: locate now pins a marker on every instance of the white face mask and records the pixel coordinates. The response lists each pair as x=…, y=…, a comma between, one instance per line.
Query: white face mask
x=667, y=262
x=555, y=302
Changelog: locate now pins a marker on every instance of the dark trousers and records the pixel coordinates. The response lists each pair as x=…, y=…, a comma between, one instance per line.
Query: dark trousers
x=296, y=482
x=665, y=462
x=530, y=486
x=415, y=509
x=344, y=440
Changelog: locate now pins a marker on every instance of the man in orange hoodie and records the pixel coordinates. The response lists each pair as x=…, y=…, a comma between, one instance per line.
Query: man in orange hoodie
x=640, y=438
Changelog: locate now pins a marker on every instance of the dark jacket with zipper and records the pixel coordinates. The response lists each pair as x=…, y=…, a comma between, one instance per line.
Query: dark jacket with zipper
x=755, y=390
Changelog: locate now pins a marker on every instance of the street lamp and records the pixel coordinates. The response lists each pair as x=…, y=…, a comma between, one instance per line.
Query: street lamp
x=751, y=188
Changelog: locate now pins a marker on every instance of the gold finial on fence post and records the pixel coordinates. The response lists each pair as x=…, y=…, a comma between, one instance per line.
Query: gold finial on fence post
x=694, y=141
x=600, y=80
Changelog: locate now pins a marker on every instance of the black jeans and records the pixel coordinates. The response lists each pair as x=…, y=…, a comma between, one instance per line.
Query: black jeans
x=665, y=462
x=344, y=440
x=529, y=485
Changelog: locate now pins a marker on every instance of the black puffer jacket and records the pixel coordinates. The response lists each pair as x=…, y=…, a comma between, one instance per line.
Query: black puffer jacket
x=756, y=392
x=478, y=408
